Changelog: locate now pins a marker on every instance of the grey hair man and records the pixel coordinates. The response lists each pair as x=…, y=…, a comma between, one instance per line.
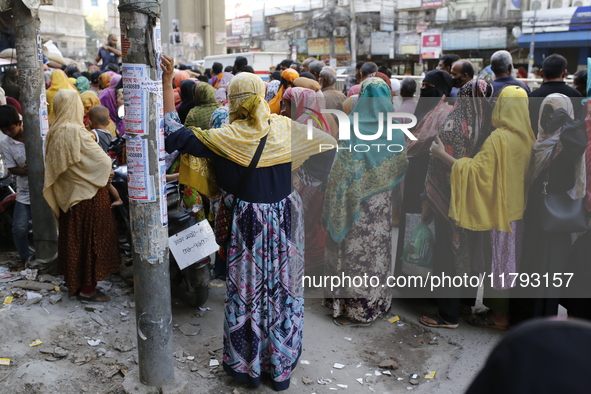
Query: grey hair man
x=408, y=88
x=334, y=98
x=501, y=63
x=315, y=67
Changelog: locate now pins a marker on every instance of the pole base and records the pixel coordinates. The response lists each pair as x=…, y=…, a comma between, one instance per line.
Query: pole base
x=132, y=384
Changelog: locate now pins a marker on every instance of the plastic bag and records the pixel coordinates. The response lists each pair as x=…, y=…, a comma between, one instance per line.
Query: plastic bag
x=419, y=248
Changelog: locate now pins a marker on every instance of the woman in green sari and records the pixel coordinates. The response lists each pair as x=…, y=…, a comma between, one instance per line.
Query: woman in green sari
x=362, y=190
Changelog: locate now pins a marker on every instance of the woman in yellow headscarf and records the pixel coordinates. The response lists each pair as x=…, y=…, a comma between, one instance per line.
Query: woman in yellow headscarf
x=76, y=173
x=287, y=77
x=59, y=80
x=89, y=100
x=264, y=305
x=488, y=193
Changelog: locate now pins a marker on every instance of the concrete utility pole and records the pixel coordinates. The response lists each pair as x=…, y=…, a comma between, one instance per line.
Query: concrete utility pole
x=29, y=57
x=140, y=36
x=532, y=44
x=353, y=39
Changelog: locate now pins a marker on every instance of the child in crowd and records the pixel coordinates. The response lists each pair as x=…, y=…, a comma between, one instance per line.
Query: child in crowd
x=15, y=159
x=99, y=120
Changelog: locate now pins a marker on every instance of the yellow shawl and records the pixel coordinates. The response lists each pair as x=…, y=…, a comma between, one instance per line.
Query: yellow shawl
x=489, y=191
x=75, y=166
x=249, y=122
x=59, y=80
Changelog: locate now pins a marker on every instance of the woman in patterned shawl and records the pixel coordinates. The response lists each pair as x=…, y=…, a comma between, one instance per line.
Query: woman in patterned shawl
x=460, y=133
x=264, y=305
x=358, y=206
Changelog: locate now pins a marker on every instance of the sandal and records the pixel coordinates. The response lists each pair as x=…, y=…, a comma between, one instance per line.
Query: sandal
x=436, y=321
x=483, y=321
x=98, y=296
x=344, y=322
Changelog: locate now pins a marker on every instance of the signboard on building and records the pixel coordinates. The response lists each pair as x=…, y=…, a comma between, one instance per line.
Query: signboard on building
x=381, y=42
x=341, y=46
x=485, y=38
x=557, y=19
x=409, y=43
x=431, y=3
x=318, y=46
x=257, y=24
x=241, y=26
x=387, y=15
x=431, y=43
x=368, y=5
x=406, y=4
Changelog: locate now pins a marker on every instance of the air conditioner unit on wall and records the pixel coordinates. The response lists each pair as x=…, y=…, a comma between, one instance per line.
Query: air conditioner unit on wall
x=541, y=4
x=559, y=3
x=581, y=3
x=313, y=33
x=298, y=16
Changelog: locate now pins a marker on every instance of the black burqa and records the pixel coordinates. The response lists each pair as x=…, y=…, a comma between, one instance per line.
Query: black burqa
x=187, y=102
x=539, y=357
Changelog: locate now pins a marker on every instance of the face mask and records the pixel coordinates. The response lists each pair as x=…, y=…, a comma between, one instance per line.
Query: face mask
x=456, y=81
x=430, y=92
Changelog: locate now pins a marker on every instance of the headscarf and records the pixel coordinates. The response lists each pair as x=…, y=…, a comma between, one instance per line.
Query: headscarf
x=205, y=103
x=249, y=117
x=75, y=165
x=356, y=176
x=549, y=138
x=431, y=112
x=219, y=118
x=222, y=80
x=10, y=83
x=307, y=83
x=82, y=84
x=114, y=80
x=178, y=78
x=59, y=80
x=385, y=78
x=272, y=89
x=488, y=192
x=108, y=98
x=308, y=105
x=287, y=78
x=442, y=82
x=460, y=134
x=15, y=104
x=104, y=80
x=187, y=103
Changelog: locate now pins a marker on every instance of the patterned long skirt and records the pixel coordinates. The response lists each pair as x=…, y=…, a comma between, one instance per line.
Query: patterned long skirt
x=264, y=305
x=88, y=249
x=366, y=250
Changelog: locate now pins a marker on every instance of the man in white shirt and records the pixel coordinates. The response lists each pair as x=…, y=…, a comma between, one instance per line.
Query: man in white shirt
x=15, y=159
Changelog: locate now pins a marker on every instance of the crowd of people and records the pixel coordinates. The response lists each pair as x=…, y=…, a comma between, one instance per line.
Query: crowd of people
x=484, y=153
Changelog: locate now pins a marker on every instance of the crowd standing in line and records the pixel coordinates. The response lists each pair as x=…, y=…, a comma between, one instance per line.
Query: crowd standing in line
x=482, y=157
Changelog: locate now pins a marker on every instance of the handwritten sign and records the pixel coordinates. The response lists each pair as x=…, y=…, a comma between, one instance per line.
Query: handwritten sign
x=193, y=244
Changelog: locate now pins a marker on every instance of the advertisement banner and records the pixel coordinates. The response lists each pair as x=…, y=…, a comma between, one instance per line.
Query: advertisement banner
x=341, y=46
x=319, y=46
x=381, y=42
x=431, y=43
x=241, y=27
x=431, y=3
x=557, y=19
x=257, y=24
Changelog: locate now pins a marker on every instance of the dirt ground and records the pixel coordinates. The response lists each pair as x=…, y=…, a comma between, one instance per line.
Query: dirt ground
x=89, y=348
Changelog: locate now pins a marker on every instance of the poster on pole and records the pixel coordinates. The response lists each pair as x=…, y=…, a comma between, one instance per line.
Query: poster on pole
x=43, y=116
x=193, y=244
x=140, y=184
x=136, y=99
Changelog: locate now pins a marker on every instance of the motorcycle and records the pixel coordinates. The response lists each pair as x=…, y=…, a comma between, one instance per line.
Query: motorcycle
x=190, y=284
